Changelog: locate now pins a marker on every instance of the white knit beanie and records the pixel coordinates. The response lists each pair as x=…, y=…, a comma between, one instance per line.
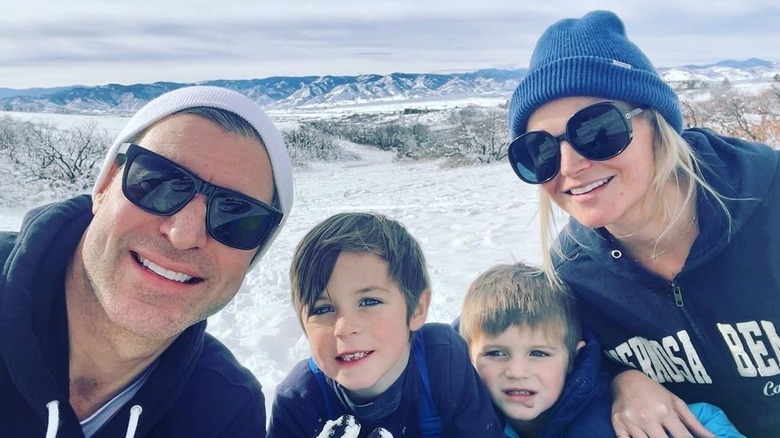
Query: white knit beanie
x=224, y=99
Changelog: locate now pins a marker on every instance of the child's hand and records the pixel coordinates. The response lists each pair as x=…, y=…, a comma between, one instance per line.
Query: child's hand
x=343, y=427
x=380, y=432
x=643, y=408
x=347, y=427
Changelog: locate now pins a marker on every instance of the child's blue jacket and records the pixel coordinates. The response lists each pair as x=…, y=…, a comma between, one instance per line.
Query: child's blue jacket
x=584, y=409
x=459, y=397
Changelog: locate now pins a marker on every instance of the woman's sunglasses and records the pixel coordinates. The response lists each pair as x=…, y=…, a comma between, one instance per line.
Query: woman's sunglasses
x=160, y=186
x=597, y=132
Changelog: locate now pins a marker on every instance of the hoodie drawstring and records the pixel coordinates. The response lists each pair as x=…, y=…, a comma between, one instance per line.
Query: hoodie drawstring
x=132, y=424
x=54, y=418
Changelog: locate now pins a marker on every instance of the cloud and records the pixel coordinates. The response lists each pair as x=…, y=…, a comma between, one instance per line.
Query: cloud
x=102, y=42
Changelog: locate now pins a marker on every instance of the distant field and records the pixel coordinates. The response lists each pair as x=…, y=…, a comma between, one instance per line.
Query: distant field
x=110, y=123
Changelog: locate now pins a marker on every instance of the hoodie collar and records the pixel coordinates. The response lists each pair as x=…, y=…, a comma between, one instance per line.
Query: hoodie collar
x=46, y=242
x=36, y=356
x=740, y=171
x=586, y=382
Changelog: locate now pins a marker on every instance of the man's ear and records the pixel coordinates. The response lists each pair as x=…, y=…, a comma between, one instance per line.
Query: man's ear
x=100, y=193
x=421, y=312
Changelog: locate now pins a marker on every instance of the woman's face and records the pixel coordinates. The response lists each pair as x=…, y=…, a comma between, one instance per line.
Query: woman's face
x=598, y=193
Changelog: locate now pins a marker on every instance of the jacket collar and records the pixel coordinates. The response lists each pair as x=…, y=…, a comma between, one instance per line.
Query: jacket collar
x=47, y=240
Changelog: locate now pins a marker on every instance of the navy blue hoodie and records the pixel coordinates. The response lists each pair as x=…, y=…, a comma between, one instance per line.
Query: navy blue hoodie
x=459, y=398
x=584, y=408
x=709, y=335
x=197, y=388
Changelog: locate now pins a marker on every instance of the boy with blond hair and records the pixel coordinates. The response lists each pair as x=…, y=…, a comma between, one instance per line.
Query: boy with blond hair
x=361, y=290
x=546, y=380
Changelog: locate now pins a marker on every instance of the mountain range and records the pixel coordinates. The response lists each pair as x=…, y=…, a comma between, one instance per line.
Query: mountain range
x=287, y=92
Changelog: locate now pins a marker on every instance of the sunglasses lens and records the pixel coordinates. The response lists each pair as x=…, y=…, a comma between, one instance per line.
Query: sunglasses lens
x=599, y=132
x=157, y=186
x=161, y=187
x=238, y=221
x=535, y=157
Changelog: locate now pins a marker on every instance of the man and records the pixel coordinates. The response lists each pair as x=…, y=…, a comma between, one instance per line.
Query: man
x=103, y=300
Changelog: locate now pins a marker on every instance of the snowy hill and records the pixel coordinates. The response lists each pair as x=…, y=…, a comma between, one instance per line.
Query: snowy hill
x=317, y=92
x=749, y=71
x=280, y=92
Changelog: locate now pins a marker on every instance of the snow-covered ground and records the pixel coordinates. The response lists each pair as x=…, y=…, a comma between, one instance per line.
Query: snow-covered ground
x=112, y=124
x=466, y=219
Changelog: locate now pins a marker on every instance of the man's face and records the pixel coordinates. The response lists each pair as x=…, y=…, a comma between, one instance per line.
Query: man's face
x=135, y=261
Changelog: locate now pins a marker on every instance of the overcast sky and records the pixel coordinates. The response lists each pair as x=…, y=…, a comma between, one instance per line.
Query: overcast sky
x=46, y=43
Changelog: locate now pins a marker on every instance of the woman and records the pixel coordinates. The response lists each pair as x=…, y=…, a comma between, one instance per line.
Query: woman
x=673, y=242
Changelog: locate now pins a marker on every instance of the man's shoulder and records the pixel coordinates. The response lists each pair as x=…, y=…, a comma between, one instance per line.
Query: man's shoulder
x=217, y=367
x=227, y=396
x=44, y=225
x=7, y=242
x=300, y=382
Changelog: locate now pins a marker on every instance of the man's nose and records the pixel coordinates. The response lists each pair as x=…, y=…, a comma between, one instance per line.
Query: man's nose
x=186, y=228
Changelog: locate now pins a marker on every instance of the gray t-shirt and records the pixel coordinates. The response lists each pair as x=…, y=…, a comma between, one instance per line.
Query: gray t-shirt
x=94, y=422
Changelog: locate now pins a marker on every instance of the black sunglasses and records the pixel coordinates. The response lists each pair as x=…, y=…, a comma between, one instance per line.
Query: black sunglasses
x=597, y=132
x=160, y=186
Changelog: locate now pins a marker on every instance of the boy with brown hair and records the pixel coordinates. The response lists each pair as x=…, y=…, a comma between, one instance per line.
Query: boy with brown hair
x=546, y=380
x=361, y=290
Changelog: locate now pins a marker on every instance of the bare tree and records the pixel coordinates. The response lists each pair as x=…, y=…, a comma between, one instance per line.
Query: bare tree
x=42, y=151
x=480, y=134
x=308, y=142
x=690, y=112
x=767, y=107
x=738, y=113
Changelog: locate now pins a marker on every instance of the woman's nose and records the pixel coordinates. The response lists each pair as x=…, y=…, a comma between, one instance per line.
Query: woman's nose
x=572, y=162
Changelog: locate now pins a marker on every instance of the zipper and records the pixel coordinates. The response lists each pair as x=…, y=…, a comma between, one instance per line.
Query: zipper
x=677, y=293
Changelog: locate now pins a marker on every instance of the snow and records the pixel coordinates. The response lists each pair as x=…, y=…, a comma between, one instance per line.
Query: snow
x=380, y=106
x=466, y=220
x=351, y=429
x=112, y=124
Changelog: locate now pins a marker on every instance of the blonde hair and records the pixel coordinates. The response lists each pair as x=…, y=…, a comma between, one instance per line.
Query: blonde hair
x=506, y=296
x=674, y=162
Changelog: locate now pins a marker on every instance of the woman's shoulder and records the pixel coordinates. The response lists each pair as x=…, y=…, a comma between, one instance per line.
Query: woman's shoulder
x=733, y=164
x=574, y=238
x=571, y=244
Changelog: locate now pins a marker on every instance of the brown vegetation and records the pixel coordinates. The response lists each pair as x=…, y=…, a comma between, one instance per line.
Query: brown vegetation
x=737, y=113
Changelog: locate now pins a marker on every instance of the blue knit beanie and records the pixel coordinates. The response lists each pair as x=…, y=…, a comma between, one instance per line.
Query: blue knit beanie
x=590, y=56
